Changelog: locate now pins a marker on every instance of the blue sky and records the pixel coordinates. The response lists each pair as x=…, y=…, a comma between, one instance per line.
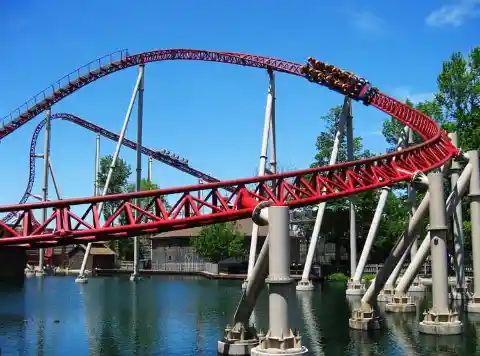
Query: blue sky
x=211, y=113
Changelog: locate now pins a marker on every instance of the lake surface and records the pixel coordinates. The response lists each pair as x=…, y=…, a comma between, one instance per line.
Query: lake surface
x=186, y=316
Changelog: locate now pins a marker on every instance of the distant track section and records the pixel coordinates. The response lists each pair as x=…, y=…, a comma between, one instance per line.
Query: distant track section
x=163, y=155
x=203, y=204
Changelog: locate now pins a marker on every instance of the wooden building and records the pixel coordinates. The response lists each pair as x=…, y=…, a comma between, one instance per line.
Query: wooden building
x=174, y=246
x=100, y=257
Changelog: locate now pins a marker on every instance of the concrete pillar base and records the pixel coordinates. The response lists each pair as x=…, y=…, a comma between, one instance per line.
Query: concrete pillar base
x=305, y=285
x=289, y=344
x=135, y=278
x=364, y=319
x=355, y=288
x=81, y=280
x=237, y=341
x=385, y=296
x=417, y=286
x=401, y=304
x=473, y=305
x=292, y=352
x=440, y=323
x=459, y=293
x=236, y=347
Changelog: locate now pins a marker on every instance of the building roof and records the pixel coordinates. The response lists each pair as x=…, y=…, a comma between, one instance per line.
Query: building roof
x=244, y=226
x=99, y=250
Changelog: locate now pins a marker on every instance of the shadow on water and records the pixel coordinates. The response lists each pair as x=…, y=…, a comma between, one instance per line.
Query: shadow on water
x=186, y=316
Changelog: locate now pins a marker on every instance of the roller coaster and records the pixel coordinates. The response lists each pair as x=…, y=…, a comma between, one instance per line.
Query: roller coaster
x=223, y=200
x=163, y=155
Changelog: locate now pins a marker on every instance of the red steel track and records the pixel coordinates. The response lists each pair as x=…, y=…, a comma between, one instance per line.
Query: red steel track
x=226, y=200
x=162, y=156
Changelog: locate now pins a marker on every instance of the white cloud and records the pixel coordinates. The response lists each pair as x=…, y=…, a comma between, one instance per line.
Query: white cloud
x=368, y=22
x=454, y=14
x=402, y=93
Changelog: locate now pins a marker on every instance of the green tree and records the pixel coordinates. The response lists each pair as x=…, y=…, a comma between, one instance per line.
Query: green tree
x=335, y=225
x=118, y=182
x=459, y=96
x=126, y=246
x=219, y=241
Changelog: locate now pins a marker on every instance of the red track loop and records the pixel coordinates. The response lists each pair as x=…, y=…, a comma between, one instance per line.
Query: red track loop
x=227, y=200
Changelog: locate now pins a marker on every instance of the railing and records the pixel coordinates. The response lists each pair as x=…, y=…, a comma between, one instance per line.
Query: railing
x=63, y=82
x=188, y=267
x=426, y=270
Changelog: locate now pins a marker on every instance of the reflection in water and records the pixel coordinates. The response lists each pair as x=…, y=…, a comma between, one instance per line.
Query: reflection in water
x=186, y=316
x=312, y=329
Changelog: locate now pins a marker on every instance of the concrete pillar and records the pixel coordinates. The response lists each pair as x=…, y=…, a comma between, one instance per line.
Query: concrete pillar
x=136, y=243
x=459, y=291
x=356, y=286
x=280, y=339
x=353, y=222
x=404, y=285
x=474, y=304
x=412, y=200
x=439, y=320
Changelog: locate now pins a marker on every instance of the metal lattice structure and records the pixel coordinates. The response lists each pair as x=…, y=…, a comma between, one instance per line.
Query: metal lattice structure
x=226, y=200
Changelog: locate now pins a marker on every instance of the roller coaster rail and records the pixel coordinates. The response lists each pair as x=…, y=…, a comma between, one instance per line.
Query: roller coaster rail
x=235, y=199
x=159, y=155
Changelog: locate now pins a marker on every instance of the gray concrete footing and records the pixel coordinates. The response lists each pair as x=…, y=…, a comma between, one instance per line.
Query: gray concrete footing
x=401, y=304
x=440, y=324
x=135, y=277
x=236, y=347
x=287, y=345
x=292, y=352
x=237, y=340
x=305, y=286
x=417, y=286
x=355, y=288
x=81, y=280
x=474, y=306
x=364, y=320
x=385, y=296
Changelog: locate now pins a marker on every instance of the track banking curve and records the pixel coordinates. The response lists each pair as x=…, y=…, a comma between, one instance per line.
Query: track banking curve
x=225, y=200
x=177, y=163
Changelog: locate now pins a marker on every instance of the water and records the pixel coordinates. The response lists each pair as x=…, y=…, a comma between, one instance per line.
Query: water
x=185, y=316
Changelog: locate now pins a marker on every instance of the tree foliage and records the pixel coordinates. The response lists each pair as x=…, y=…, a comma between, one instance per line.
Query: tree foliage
x=217, y=242
x=119, y=184
x=455, y=107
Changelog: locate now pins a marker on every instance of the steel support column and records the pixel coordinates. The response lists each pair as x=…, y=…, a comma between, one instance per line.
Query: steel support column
x=81, y=276
x=267, y=128
x=305, y=284
x=136, y=253
x=453, y=200
x=459, y=291
x=353, y=219
x=46, y=164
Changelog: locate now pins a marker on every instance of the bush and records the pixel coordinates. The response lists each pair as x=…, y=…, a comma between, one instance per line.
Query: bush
x=337, y=277
x=368, y=277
